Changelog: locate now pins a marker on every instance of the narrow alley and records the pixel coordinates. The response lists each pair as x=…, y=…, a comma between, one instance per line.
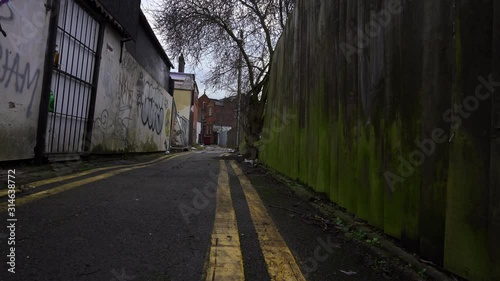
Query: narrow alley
x=190, y=216
x=280, y=140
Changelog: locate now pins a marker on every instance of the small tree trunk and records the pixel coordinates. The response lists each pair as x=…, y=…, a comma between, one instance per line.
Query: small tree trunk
x=256, y=120
x=252, y=147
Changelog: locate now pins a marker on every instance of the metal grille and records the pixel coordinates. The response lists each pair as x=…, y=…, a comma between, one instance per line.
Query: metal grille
x=72, y=80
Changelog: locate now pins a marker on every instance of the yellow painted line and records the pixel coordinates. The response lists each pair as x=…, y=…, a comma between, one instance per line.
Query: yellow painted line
x=81, y=174
x=68, y=177
x=225, y=258
x=5, y=192
x=280, y=261
x=65, y=187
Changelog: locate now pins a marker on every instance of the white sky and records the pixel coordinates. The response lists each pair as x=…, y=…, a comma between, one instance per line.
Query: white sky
x=148, y=6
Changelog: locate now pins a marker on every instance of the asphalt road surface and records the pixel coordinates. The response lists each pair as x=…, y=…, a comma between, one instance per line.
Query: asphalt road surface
x=194, y=216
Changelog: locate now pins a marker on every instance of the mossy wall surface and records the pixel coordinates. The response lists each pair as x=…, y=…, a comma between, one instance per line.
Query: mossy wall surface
x=374, y=103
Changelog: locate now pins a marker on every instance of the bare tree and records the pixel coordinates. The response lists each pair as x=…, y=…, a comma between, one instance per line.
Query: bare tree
x=212, y=28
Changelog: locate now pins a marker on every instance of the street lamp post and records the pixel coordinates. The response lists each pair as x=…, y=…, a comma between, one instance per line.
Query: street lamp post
x=239, y=94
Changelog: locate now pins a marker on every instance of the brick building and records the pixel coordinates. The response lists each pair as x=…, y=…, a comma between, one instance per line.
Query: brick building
x=216, y=117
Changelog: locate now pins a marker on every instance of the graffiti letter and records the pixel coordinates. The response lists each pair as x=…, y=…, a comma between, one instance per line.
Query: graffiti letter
x=15, y=67
x=31, y=81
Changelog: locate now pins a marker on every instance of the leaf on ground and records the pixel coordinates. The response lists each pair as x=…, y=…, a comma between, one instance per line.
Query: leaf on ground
x=348, y=272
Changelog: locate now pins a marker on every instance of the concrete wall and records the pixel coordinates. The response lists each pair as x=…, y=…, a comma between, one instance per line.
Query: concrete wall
x=183, y=102
x=22, y=55
x=385, y=106
x=186, y=100
x=148, y=52
x=133, y=110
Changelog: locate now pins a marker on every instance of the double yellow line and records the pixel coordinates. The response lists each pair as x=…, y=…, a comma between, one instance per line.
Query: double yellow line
x=225, y=257
x=39, y=195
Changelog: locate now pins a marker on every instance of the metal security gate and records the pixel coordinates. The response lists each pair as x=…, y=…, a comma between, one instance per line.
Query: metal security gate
x=73, y=80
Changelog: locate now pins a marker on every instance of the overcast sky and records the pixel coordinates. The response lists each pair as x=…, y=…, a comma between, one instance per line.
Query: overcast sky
x=148, y=6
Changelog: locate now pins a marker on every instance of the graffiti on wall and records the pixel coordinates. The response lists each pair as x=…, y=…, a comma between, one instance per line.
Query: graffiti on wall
x=127, y=83
x=135, y=108
x=126, y=92
x=151, y=104
x=6, y=13
x=26, y=36
x=167, y=129
x=116, y=127
x=128, y=63
x=10, y=16
x=21, y=76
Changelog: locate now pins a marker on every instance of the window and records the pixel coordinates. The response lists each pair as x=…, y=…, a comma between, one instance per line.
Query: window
x=210, y=113
x=208, y=129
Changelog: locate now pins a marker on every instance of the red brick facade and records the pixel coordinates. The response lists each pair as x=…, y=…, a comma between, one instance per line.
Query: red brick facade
x=214, y=112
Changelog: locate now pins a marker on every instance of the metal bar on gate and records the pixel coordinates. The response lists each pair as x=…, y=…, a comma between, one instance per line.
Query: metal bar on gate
x=68, y=94
x=95, y=79
x=43, y=113
x=63, y=51
x=84, y=77
x=66, y=70
x=76, y=39
x=94, y=37
x=68, y=115
x=57, y=93
x=75, y=84
x=71, y=136
x=92, y=60
x=74, y=77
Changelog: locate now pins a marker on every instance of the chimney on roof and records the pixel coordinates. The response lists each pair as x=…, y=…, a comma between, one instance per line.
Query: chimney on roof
x=182, y=63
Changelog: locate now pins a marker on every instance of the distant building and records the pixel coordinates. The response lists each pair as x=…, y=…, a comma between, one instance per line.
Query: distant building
x=217, y=118
x=186, y=101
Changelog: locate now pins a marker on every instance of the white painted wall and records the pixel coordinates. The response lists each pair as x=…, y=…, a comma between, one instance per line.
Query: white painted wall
x=132, y=111
x=22, y=55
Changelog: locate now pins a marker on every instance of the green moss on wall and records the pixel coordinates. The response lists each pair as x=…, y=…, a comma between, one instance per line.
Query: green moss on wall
x=149, y=146
x=357, y=120
x=101, y=148
x=466, y=248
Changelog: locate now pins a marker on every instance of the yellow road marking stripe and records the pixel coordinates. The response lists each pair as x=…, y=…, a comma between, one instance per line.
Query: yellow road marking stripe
x=280, y=261
x=63, y=178
x=42, y=194
x=81, y=174
x=225, y=258
x=67, y=177
x=5, y=192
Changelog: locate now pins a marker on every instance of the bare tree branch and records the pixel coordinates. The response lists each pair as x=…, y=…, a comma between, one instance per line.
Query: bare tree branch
x=200, y=28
